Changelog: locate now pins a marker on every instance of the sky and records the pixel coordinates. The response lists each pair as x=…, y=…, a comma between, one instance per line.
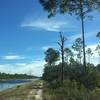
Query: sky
x=26, y=33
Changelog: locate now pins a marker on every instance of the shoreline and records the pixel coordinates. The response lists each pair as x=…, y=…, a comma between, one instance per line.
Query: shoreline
x=7, y=80
x=20, y=92
x=6, y=84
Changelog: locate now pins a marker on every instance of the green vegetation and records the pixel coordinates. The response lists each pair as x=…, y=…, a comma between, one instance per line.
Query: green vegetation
x=71, y=90
x=72, y=78
x=74, y=71
x=4, y=76
x=78, y=83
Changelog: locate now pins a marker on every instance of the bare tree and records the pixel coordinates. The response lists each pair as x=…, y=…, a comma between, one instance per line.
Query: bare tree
x=62, y=48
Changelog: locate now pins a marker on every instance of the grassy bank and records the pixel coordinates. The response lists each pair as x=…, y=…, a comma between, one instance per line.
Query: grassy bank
x=19, y=92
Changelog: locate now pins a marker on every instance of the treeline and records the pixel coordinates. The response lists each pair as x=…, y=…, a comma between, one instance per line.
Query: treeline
x=4, y=76
x=66, y=78
x=67, y=64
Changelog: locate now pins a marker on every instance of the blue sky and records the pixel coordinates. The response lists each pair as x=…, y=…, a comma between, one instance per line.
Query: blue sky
x=26, y=32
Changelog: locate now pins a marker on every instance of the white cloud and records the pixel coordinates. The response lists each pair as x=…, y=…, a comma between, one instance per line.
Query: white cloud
x=47, y=24
x=95, y=57
x=73, y=37
x=12, y=57
x=43, y=48
x=88, y=35
x=34, y=68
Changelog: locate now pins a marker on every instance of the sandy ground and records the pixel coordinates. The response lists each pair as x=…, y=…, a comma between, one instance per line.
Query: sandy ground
x=31, y=91
x=35, y=95
x=38, y=96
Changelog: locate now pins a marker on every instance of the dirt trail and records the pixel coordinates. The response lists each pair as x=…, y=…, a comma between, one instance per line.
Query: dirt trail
x=35, y=93
x=31, y=94
x=38, y=96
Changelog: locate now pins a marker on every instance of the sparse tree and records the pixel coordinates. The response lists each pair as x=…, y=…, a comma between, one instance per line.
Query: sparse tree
x=68, y=54
x=72, y=61
x=77, y=46
x=97, y=4
x=89, y=54
x=98, y=35
x=98, y=50
x=51, y=56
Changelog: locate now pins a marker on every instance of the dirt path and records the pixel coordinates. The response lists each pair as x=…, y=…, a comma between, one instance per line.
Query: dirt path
x=31, y=94
x=35, y=93
x=38, y=96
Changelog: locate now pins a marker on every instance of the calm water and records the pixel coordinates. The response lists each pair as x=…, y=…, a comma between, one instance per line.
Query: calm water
x=11, y=84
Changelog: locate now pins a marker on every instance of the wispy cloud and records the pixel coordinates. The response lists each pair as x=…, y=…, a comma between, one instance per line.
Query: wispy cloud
x=73, y=37
x=89, y=35
x=47, y=24
x=12, y=57
x=42, y=48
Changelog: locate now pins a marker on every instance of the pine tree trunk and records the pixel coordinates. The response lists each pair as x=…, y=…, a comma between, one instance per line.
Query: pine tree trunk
x=83, y=37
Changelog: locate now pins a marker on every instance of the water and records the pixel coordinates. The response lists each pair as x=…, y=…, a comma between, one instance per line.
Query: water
x=11, y=84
